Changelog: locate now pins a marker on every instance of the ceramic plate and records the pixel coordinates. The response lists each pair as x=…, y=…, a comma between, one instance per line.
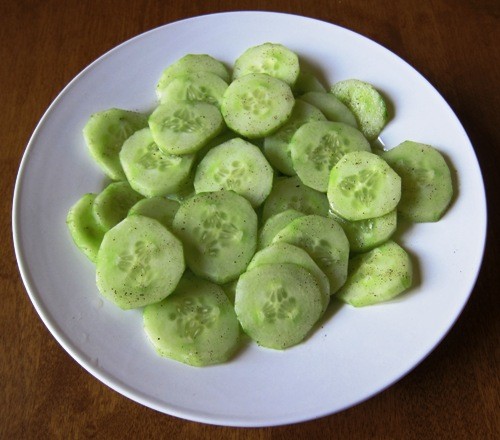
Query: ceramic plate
x=352, y=354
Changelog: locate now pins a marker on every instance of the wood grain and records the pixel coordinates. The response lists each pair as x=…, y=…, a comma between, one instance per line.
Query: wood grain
x=454, y=393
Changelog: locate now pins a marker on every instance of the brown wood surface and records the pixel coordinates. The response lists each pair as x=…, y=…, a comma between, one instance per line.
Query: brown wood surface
x=454, y=393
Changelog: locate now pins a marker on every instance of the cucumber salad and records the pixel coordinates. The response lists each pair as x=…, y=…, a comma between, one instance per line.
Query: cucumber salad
x=248, y=200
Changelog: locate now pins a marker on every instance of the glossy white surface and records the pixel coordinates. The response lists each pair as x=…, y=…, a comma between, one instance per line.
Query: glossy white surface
x=353, y=354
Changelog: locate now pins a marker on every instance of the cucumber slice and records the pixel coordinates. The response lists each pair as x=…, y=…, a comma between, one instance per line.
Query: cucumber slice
x=272, y=59
x=277, y=145
x=307, y=82
x=184, y=127
x=85, y=231
x=364, y=235
x=191, y=63
x=159, y=208
x=112, y=204
x=151, y=172
x=366, y=103
x=196, y=325
x=195, y=87
x=256, y=104
x=279, y=253
x=324, y=240
x=235, y=165
x=278, y=304
x=331, y=107
x=219, y=233
x=105, y=133
x=362, y=185
x=291, y=193
x=317, y=146
x=427, y=187
x=376, y=276
x=139, y=263
x=275, y=224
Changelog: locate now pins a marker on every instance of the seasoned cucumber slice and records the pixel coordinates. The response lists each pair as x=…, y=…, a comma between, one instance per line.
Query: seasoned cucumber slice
x=112, y=204
x=278, y=304
x=275, y=224
x=159, y=208
x=235, y=165
x=364, y=235
x=139, y=262
x=317, y=146
x=195, y=325
x=426, y=181
x=307, y=82
x=149, y=170
x=273, y=59
x=219, y=233
x=191, y=63
x=85, y=231
x=279, y=253
x=366, y=103
x=256, y=104
x=291, y=193
x=105, y=133
x=362, y=185
x=195, y=86
x=183, y=127
x=277, y=145
x=376, y=276
x=325, y=241
x=331, y=107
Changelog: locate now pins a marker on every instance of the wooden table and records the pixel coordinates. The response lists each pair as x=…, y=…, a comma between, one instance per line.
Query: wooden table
x=454, y=393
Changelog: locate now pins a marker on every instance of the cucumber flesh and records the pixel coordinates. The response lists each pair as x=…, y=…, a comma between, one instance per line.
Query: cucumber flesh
x=139, y=262
x=307, y=82
x=275, y=224
x=195, y=325
x=427, y=187
x=278, y=304
x=159, y=208
x=219, y=233
x=378, y=275
x=331, y=107
x=105, y=132
x=85, y=231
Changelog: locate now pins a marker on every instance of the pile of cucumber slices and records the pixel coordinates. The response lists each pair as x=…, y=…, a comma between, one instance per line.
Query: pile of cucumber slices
x=248, y=200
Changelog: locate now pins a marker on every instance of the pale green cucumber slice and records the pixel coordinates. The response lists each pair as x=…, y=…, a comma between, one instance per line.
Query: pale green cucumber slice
x=317, y=146
x=191, y=63
x=274, y=224
x=362, y=185
x=112, y=204
x=219, y=233
x=235, y=165
x=159, y=208
x=184, y=127
x=291, y=193
x=365, y=102
x=139, y=263
x=278, y=304
x=331, y=107
x=277, y=145
x=105, y=132
x=279, y=253
x=272, y=59
x=256, y=104
x=376, y=276
x=149, y=170
x=307, y=82
x=85, y=231
x=427, y=187
x=364, y=235
x=324, y=240
x=195, y=325
x=194, y=87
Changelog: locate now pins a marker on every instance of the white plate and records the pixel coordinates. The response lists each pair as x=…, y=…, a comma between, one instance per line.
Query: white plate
x=353, y=354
